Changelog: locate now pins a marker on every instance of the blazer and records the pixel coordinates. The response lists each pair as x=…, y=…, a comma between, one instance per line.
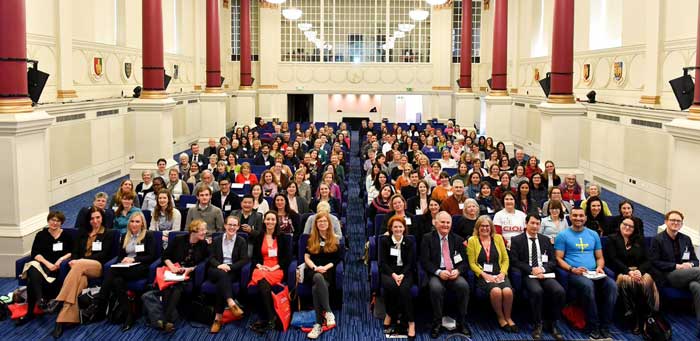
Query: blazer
x=619, y=259
x=520, y=256
x=106, y=237
x=661, y=252
x=82, y=222
x=239, y=254
x=147, y=256
x=254, y=220
x=232, y=200
x=474, y=248
x=388, y=263
x=260, y=160
x=177, y=250
x=284, y=254
x=431, y=252
x=200, y=159
x=302, y=205
x=414, y=203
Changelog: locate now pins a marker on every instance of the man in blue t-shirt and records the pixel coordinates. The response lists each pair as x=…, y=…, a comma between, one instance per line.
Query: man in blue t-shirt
x=578, y=251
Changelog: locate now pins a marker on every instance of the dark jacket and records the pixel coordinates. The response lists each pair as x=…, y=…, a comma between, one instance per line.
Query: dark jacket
x=284, y=253
x=430, y=252
x=82, y=222
x=107, y=237
x=260, y=160
x=239, y=254
x=254, y=220
x=662, y=256
x=177, y=251
x=149, y=251
x=387, y=266
x=619, y=259
x=520, y=256
x=232, y=200
x=43, y=245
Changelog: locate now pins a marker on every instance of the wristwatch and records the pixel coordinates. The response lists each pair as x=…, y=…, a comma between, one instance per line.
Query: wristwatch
x=570, y=268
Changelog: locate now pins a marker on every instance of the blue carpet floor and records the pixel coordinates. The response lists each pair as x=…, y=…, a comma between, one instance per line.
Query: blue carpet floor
x=355, y=321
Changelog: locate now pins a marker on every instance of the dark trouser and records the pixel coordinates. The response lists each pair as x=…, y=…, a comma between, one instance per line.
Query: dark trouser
x=222, y=280
x=541, y=290
x=690, y=279
x=265, y=290
x=459, y=287
x=319, y=293
x=398, y=299
x=37, y=287
x=172, y=296
x=598, y=298
x=115, y=282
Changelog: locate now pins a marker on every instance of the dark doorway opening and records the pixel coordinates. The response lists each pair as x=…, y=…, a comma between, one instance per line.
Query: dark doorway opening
x=300, y=108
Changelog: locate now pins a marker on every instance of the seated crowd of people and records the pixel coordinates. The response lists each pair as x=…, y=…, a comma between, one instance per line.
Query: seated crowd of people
x=245, y=201
x=453, y=213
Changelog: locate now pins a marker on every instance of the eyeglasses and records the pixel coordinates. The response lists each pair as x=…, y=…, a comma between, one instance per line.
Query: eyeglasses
x=630, y=226
x=676, y=221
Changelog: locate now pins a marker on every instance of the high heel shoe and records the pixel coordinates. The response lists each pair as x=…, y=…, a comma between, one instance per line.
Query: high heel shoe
x=57, y=331
x=388, y=329
x=24, y=320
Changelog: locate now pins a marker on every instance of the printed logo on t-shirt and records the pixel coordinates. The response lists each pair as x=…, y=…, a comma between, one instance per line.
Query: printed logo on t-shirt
x=581, y=245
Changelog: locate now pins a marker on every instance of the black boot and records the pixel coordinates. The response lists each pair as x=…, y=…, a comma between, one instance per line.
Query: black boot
x=25, y=319
x=57, y=330
x=128, y=323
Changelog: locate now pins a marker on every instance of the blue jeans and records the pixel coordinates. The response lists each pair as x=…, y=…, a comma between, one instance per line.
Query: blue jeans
x=598, y=298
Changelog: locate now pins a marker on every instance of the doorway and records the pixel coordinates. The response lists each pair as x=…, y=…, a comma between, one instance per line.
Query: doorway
x=409, y=108
x=300, y=107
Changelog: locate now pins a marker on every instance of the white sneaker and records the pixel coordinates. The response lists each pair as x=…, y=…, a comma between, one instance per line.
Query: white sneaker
x=315, y=332
x=330, y=319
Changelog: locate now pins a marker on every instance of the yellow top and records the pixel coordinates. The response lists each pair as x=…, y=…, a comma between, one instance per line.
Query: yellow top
x=474, y=249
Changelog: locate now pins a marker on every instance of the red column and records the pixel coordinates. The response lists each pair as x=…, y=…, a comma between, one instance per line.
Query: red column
x=695, y=109
x=152, y=36
x=465, y=52
x=13, y=57
x=500, y=49
x=561, y=88
x=213, y=45
x=246, y=79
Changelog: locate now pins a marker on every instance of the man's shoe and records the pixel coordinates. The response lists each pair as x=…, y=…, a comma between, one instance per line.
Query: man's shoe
x=537, y=332
x=556, y=332
x=595, y=335
x=215, y=327
x=435, y=331
x=464, y=330
x=605, y=333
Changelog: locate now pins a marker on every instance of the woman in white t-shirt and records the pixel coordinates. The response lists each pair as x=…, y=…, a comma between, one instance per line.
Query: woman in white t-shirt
x=509, y=222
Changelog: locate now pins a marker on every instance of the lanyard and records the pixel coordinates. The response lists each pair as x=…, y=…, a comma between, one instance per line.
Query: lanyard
x=487, y=251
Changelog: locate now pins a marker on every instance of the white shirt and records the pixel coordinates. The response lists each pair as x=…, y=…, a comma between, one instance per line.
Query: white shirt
x=512, y=224
x=397, y=245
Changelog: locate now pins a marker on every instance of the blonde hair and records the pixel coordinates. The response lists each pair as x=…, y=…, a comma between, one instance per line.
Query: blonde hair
x=481, y=220
x=196, y=224
x=142, y=232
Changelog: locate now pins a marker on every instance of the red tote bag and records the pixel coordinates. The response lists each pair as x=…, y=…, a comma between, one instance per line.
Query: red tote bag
x=283, y=306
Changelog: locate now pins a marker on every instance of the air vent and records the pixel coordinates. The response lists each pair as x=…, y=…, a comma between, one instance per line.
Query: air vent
x=130, y=109
x=608, y=117
x=533, y=106
x=605, y=183
x=70, y=117
x=109, y=176
x=193, y=101
x=650, y=124
x=522, y=105
x=179, y=102
x=107, y=112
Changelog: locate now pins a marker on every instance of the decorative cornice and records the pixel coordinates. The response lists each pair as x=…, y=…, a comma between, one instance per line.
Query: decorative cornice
x=25, y=123
x=684, y=129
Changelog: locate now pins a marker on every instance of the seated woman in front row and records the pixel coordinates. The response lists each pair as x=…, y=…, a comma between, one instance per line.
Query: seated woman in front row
x=51, y=247
x=138, y=246
x=398, y=262
x=181, y=257
x=488, y=259
x=229, y=255
x=321, y=257
x=91, y=251
x=270, y=259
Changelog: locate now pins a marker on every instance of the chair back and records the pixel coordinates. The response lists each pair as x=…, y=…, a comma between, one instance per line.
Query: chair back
x=188, y=201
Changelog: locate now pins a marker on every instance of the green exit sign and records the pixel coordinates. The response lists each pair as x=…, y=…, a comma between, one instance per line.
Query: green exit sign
x=409, y=89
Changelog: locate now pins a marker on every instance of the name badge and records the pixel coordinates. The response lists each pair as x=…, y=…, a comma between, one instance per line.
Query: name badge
x=267, y=163
x=227, y=207
x=457, y=258
x=272, y=252
x=488, y=267
x=322, y=244
x=408, y=221
x=96, y=246
x=140, y=248
x=489, y=210
x=461, y=206
x=418, y=211
x=308, y=182
x=141, y=193
x=394, y=252
x=545, y=258
x=449, y=193
x=686, y=255
x=245, y=149
x=247, y=182
x=114, y=208
x=58, y=246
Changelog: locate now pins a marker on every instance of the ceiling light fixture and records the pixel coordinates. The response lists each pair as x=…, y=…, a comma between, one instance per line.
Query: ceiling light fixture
x=305, y=26
x=436, y=2
x=292, y=13
x=406, y=27
x=418, y=14
x=399, y=34
x=276, y=2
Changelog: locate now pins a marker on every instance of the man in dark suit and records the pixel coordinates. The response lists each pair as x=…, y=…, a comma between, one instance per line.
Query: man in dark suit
x=225, y=268
x=264, y=158
x=251, y=221
x=444, y=259
x=195, y=156
x=82, y=222
x=224, y=199
x=533, y=254
x=211, y=149
x=518, y=160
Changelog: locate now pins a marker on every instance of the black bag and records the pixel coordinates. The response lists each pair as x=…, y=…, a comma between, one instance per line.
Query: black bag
x=201, y=312
x=656, y=328
x=116, y=312
x=87, y=316
x=152, y=307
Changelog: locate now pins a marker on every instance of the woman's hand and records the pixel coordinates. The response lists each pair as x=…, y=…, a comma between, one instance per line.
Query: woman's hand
x=488, y=278
x=71, y=263
x=224, y=267
x=127, y=260
x=501, y=277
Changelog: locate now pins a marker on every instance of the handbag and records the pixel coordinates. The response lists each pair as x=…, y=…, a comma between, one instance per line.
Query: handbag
x=152, y=307
x=301, y=319
x=18, y=310
x=160, y=281
x=656, y=328
x=281, y=300
x=575, y=316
